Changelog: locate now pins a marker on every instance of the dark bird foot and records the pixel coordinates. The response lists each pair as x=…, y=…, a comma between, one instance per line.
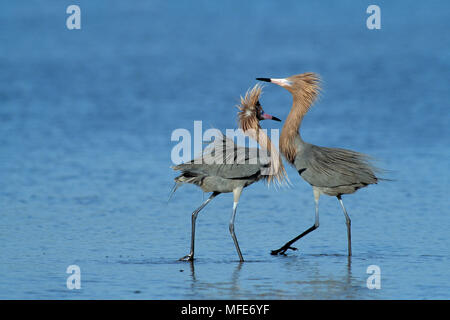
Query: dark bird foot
x=282, y=250
x=188, y=257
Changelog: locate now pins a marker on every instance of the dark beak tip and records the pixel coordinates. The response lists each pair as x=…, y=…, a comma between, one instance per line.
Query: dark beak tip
x=276, y=119
x=263, y=79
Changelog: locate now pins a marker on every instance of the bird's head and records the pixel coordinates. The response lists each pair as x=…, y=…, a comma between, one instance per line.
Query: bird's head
x=308, y=82
x=251, y=111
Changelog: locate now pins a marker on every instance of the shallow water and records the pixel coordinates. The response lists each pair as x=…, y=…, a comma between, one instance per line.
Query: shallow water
x=85, y=124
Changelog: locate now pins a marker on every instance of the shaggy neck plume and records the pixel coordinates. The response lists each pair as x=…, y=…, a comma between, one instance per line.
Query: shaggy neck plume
x=304, y=92
x=276, y=169
x=249, y=123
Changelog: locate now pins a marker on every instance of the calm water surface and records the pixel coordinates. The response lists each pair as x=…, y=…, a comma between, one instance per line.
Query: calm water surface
x=85, y=124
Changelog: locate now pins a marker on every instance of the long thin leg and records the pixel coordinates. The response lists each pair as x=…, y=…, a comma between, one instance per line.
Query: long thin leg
x=190, y=256
x=288, y=244
x=348, y=222
x=237, y=194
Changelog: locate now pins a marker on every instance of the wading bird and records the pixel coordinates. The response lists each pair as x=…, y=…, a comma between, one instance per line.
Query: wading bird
x=225, y=167
x=329, y=171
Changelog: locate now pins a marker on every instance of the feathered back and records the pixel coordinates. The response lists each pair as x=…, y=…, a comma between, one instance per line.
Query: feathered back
x=250, y=109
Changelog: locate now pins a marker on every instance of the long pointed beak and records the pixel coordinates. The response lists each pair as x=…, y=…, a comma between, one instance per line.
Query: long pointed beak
x=280, y=82
x=267, y=116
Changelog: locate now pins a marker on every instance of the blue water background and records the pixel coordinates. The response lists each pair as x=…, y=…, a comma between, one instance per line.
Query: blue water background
x=86, y=118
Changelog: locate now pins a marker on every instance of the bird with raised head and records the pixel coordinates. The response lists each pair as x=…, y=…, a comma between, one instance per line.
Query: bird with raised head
x=225, y=167
x=330, y=171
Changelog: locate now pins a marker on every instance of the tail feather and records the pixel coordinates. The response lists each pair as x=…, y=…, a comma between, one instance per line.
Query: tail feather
x=185, y=177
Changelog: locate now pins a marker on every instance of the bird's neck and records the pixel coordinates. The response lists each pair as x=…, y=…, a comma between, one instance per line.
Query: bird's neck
x=291, y=127
x=276, y=170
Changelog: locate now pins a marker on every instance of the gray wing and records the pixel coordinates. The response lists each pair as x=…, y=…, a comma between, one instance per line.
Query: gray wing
x=334, y=167
x=223, y=158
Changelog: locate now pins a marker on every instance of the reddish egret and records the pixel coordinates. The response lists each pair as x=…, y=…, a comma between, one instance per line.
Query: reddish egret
x=227, y=177
x=329, y=171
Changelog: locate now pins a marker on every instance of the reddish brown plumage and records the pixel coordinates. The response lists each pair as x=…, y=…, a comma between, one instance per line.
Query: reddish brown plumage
x=248, y=118
x=303, y=100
